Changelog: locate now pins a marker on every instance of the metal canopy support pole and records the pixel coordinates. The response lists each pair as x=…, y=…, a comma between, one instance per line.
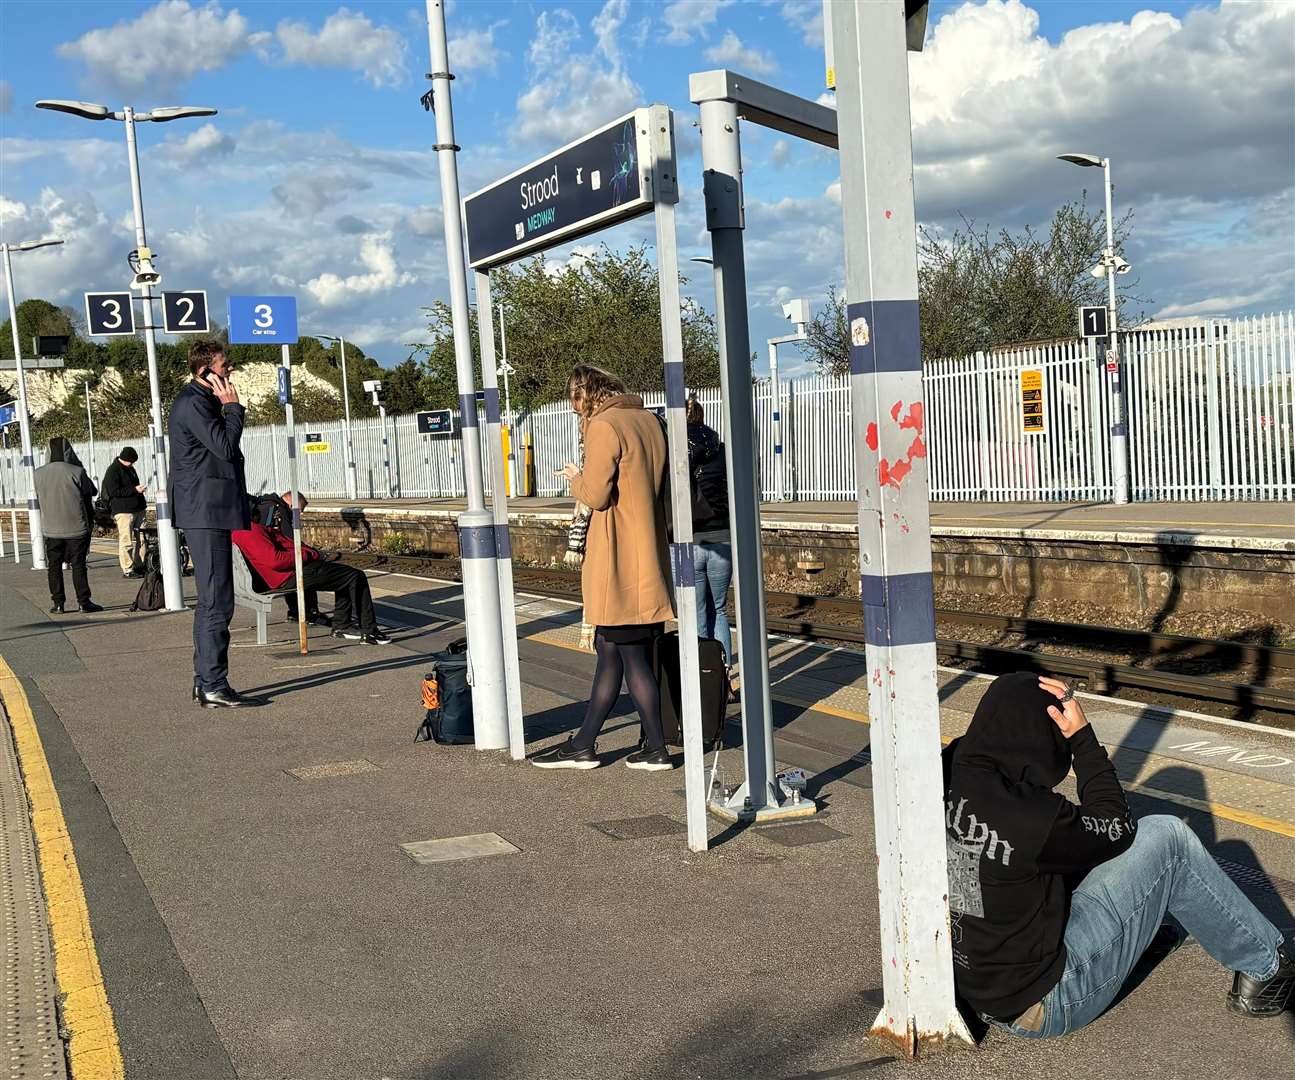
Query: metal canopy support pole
x=35, y=534
x=775, y=409
x=508, y=403
x=89, y=421
x=499, y=504
x=167, y=542
x=476, y=524
x=386, y=450
x=352, y=488
x=759, y=796
x=665, y=193
x=1119, y=406
x=869, y=40
x=290, y=424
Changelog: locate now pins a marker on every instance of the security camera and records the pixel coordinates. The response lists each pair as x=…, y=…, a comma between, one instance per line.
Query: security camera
x=1098, y=271
x=796, y=311
x=1121, y=267
x=372, y=386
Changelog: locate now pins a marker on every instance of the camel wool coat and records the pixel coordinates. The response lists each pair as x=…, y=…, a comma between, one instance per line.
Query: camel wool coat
x=626, y=576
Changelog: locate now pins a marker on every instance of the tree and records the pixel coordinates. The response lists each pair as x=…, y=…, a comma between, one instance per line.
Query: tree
x=310, y=404
x=980, y=290
x=601, y=309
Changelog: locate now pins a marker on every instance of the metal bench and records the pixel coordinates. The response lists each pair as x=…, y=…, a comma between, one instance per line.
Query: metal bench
x=253, y=593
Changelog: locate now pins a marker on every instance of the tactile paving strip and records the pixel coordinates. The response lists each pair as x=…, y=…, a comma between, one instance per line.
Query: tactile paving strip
x=32, y=1047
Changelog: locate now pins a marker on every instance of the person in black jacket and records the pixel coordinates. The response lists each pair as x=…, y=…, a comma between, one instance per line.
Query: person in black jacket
x=126, y=503
x=712, y=541
x=1051, y=904
x=208, y=497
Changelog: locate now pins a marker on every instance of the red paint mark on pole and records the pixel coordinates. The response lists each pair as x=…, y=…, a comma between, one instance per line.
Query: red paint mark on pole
x=915, y=418
x=871, y=437
x=887, y=215
x=894, y=411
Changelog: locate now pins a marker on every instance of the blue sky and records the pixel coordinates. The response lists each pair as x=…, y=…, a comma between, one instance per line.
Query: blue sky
x=317, y=178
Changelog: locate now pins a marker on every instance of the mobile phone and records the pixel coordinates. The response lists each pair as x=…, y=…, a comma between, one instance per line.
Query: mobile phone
x=205, y=374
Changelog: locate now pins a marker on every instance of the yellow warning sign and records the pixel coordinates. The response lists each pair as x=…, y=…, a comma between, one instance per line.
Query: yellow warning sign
x=1032, y=422
x=317, y=448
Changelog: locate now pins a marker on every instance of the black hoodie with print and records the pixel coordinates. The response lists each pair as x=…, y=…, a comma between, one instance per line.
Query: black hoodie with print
x=1016, y=848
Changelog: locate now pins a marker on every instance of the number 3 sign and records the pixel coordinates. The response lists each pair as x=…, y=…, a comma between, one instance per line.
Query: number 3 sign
x=263, y=320
x=109, y=313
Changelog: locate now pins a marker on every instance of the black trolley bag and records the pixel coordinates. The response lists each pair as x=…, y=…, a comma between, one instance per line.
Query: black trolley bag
x=713, y=677
x=152, y=594
x=447, y=697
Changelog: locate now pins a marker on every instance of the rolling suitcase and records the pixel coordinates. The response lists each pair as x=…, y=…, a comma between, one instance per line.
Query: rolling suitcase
x=713, y=677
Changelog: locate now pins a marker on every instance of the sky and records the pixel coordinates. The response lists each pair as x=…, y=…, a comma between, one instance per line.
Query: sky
x=317, y=176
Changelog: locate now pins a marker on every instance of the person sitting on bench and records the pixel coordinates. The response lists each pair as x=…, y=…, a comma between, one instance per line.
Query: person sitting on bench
x=1051, y=905
x=270, y=554
x=275, y=512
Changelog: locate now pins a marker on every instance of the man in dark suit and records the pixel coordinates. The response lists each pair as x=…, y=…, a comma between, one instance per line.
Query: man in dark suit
x=209, y=501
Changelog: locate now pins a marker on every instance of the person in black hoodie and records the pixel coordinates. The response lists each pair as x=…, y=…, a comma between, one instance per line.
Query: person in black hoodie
x=1052, y=904
x=126, y=503
x=712, y=542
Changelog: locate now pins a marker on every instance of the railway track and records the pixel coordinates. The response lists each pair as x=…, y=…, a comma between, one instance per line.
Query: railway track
x=838, y=620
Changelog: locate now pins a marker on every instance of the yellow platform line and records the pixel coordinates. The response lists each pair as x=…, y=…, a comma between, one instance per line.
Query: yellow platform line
x=93, y=1050
x=1219, y=810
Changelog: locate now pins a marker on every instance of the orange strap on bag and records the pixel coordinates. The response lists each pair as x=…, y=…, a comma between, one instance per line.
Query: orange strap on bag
x=431, y=692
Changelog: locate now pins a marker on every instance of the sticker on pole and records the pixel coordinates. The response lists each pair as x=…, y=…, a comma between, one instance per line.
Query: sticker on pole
x=109, y=313
x=436, y=422
x=1112, y=360
x=314, y=443
x=1032, y=402
x=285, y=385
x=263, y=320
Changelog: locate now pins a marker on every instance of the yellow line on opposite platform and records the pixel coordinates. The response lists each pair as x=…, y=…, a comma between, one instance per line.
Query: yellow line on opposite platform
x=93, y=1050
x=1220, y=810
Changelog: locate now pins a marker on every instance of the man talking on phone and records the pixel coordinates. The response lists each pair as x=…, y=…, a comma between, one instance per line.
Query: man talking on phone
x=209, y=502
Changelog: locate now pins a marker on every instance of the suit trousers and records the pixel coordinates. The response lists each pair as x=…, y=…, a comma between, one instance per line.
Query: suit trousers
x=70, y=550
x=213, y=576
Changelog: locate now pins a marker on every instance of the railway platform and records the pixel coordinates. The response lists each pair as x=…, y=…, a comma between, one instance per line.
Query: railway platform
x=262, y=900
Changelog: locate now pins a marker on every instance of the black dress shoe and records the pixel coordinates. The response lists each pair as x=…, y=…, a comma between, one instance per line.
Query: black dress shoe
x=224, y=698
x=57, y=609
x=90, y=606
x=1262, y=998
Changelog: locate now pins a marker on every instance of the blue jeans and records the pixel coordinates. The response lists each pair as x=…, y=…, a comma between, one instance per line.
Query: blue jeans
x=713, y=564
x=1120, y=905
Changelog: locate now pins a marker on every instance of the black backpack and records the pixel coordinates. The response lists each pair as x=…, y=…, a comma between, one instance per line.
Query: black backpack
x=151, y=595
x=447, y=696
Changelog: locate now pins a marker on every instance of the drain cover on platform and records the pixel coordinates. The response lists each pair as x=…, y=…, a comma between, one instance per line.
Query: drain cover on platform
x=332, y=768
x=639, y=828
x=453, y=848
x=810, y=832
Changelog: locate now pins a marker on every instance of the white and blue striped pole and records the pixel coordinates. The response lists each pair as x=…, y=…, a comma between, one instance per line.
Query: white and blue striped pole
x=775, y=401
x=477, y=545
x=499, y=505
x=876, y=155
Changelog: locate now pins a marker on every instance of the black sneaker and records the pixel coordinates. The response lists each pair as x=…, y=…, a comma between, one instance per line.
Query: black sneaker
x=57, y=609
x=319, y=619
x=375, y=637
x=650, y=760
x=566, y=756
x=1263, y=998
x=91, y=606
x=351, y=632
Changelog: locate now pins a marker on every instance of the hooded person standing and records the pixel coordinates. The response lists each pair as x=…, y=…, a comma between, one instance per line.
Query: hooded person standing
x=1051, y=904
x=126, y=503
x=65, y=494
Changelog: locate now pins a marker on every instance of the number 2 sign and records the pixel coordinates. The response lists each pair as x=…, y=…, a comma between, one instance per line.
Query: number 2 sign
x=185, y=312
x=263, y=320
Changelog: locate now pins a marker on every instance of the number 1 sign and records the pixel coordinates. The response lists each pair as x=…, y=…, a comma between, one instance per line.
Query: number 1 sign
x=263, y=320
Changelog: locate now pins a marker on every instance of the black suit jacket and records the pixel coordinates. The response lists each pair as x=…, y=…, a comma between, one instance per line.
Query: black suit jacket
x=207, y=486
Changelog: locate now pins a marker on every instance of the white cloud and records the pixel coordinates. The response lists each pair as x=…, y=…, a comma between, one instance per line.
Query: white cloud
x=807, y=17
x=6, y=97
x=572, y=91
x=476, y=50
x=161, y=49
x=201, y=145
x=684, y=18
x=732, y=53
x=376, y=254
x=318, y=190
x=347, y=40
x=780, y=154
x=424, y=221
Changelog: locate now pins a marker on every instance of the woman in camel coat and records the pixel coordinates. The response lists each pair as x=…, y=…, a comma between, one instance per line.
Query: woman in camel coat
x=625, y=579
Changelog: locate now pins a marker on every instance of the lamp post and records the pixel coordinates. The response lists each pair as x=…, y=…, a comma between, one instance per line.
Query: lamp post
x=34, y=533
x=506, y=369
x=89, y=423
x=351, y=487
x=146, y=276
x=1109, y=266
x=798, y=312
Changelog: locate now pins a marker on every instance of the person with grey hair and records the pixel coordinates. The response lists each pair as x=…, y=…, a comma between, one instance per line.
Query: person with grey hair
x=65, y=494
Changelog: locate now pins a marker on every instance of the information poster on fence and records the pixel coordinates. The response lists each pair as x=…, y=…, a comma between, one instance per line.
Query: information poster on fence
x=1032, y=402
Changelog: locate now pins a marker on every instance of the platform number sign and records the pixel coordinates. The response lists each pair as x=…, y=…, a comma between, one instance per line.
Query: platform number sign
x=1092, y=322
x=185, y=312
x=109, y=313
x=436, y=422
x=1032, y=422
x=263, y=320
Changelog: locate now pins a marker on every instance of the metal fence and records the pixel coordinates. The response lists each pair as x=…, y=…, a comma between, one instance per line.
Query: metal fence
x=1209, y=403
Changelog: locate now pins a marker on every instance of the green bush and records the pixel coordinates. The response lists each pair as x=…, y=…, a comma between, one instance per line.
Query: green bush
x=396, y=543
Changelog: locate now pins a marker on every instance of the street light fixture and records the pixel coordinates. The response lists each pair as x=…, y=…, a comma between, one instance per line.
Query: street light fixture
x=351, y=487
x=1107, y=268
x=34, y=531
x=146, y=276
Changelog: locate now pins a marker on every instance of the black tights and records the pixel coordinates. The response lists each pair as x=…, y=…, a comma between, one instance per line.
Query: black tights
x=633, y=664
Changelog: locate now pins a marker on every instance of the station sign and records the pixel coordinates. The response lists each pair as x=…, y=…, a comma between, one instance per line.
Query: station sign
x=262, y=320
x=314, y=443
x=587, y=185
x=8, y=414
x=436, y=422
x=185, y=312
x=1092, y=322
x=109, y=313
x=285, y=385
x=1032, y=422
